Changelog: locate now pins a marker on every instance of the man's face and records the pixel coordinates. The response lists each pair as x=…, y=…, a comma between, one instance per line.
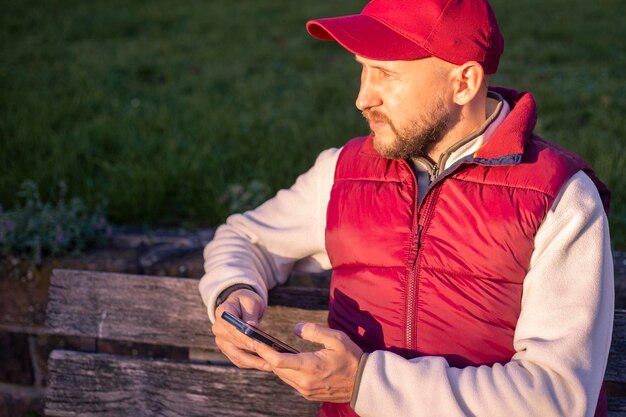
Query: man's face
x=405, y=104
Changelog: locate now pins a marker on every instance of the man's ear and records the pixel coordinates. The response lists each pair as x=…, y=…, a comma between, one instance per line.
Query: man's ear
x=468, y=81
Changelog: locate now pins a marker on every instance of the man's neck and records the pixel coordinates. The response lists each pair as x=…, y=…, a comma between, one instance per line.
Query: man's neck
x=467, y=120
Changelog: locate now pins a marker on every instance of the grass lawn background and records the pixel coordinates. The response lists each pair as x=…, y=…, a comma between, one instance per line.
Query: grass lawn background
x=178, y=113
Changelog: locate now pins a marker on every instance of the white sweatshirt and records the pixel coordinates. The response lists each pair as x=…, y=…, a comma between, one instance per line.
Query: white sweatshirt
x=562, y=337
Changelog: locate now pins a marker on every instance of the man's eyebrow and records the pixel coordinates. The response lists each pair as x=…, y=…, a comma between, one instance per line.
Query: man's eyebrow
x=378, y=67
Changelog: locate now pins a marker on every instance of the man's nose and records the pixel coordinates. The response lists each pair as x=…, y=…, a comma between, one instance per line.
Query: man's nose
x=368, y=96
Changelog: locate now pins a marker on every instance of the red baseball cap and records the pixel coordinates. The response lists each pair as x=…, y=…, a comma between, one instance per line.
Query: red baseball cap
x=456, y=31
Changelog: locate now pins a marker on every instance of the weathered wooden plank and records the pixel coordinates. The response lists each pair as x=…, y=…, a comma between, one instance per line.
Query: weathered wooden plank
x=169, y=311
x=160, y=310
x=89, y=384
x=616, y=368
x=92, y=384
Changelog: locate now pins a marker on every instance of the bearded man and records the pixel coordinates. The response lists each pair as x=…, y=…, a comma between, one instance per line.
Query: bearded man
x=472, y=272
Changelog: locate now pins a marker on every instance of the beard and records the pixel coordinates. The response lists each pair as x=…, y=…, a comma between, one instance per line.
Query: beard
x=415, y=140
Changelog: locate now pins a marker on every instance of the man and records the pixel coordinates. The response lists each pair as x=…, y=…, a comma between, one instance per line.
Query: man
x=472, y=272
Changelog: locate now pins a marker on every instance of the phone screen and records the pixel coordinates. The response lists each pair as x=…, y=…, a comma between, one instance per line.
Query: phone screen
x=258, y=334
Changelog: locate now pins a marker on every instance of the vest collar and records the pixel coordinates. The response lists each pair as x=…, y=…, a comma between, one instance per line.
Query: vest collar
x=474, y=141
x=506, y=145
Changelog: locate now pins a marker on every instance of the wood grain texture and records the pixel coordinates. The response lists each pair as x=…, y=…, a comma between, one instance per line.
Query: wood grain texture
x=160, y=310
x=92, y=384
x=169, y=311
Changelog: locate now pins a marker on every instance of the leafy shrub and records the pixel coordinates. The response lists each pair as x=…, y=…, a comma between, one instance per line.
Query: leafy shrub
x=240, y=198
x=34, y=229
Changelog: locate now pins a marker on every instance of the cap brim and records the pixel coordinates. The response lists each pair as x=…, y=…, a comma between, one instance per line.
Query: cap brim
x=367, y=37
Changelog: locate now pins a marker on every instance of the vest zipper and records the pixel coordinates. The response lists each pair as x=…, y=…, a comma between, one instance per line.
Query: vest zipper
x=410, y=312
x=434, y=170
x=412, y=285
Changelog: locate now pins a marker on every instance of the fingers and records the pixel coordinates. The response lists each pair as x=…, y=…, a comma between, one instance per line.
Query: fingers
x=309, y=374
x=324, y=375
x=234, y=344
x=252, y=310
x=310, y=388
x=277, y=360
x=232, y=307
x=249, y=305
x=331, y=339
x=242, y=358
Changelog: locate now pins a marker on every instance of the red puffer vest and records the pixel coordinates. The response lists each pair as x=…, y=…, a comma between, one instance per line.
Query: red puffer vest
x=443, y=278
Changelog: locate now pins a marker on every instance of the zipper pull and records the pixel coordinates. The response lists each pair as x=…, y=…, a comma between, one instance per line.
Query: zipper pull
x=418, y=243
x=434, y=173
x=419, y=236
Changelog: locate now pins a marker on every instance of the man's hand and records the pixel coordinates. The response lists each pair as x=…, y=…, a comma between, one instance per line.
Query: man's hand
x=325, y=375
x=248, y=306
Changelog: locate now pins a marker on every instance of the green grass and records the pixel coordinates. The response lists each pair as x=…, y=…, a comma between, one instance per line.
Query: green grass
x=570, y=54
x=168, y=111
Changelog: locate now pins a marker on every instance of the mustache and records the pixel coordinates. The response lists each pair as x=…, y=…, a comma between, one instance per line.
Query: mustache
x=376, y=115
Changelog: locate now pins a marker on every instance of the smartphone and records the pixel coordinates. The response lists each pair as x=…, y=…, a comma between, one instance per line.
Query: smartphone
x=258, y=334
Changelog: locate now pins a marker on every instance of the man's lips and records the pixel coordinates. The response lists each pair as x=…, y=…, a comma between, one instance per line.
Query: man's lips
x=376, y=119
x=376, y=124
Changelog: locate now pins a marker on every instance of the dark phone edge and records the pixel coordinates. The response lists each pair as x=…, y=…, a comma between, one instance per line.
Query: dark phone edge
x=258, y=334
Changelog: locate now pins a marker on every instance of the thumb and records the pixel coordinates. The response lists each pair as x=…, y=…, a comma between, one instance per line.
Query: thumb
x=251, y=313
x=313, y=332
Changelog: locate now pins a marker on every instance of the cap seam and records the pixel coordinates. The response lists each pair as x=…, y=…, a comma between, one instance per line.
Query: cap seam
x=436, y=27
x=339, y=27
x=399, y=31
x=489, y=39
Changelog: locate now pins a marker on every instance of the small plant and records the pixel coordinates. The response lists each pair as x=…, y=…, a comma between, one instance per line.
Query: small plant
x=34, y=229
x=245, y=197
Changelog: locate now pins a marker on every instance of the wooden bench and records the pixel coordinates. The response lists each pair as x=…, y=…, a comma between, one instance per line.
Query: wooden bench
x=197, y=380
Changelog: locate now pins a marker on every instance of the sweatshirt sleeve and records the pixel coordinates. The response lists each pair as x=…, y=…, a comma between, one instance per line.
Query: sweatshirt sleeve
x=261, y=246
x=562, y=338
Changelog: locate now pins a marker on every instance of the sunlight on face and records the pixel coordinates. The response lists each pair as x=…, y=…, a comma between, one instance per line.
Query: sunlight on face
x=417, y=138
x=405, y=106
